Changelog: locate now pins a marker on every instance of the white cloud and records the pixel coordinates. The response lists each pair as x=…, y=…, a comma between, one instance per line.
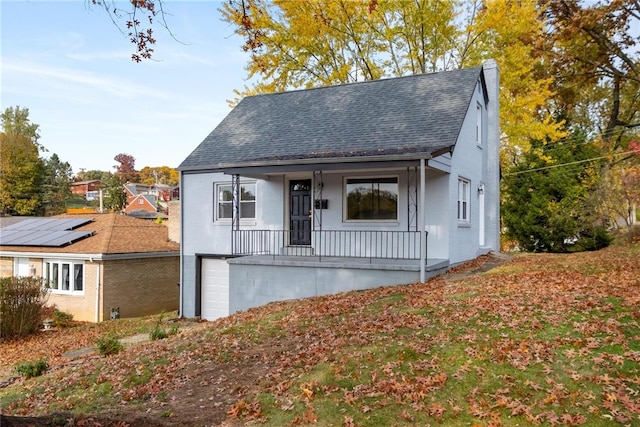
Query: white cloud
x=118, y=87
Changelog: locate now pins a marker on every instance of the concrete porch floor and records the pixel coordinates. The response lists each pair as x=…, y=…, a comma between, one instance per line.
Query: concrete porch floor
x=433, y=264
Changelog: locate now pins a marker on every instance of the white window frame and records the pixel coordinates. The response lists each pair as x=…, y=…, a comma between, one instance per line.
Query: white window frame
x=479, y=122
x=345, y=199
x=54, y=278
x=216, y=208
x=21, y=267
x=464, y=201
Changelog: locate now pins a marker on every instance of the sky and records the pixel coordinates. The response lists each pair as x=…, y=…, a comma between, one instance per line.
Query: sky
x=72, y=68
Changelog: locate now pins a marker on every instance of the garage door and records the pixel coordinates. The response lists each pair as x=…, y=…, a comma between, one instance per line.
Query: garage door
x=215, y=288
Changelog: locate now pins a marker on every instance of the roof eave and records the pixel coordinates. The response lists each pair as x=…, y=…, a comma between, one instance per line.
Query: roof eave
x=308, y=161
x=90, y=256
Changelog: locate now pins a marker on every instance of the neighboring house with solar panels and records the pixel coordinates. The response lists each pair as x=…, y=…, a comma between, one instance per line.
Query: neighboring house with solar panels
x=95, y=264
x=326, y=190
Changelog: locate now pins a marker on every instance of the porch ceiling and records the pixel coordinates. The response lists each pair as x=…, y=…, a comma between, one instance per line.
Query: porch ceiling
x=267, y=170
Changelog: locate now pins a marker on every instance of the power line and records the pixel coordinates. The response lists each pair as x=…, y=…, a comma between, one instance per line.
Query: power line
x=567, y=164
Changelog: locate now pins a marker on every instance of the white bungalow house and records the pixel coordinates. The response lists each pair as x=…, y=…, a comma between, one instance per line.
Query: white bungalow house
x=339, y=188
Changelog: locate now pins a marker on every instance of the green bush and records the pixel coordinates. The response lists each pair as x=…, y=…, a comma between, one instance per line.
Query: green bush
x=159, y=332
x=62, y=319
x=109, y=344
x=592, y=240
x=32, y=369
x=21, y=302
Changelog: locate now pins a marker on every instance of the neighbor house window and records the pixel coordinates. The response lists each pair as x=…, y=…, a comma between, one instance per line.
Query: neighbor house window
x=371, y=199
x=224, y=201
x=464, y=192
x=64, y=276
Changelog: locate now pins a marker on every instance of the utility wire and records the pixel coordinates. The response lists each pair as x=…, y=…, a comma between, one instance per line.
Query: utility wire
x=567, y=164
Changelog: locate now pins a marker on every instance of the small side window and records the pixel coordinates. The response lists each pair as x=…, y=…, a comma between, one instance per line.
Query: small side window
x=464, y=196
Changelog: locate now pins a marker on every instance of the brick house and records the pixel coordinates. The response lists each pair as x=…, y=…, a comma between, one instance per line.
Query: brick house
x=96, y=263
x=88, y=189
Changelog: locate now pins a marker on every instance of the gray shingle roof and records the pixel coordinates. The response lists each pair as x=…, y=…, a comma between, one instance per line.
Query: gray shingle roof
x=419, y=114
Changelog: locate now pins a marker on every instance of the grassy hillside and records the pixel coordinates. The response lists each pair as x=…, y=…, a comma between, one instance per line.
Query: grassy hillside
x=540, y=339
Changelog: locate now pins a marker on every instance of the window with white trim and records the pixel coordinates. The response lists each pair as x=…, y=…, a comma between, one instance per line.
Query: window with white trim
x=464, y=196
x=64, y=276
x=371, y=199
x=224, y=200
x=479, y=124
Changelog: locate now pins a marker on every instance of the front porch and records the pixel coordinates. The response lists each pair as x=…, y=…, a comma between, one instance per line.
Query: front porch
x=266, y=267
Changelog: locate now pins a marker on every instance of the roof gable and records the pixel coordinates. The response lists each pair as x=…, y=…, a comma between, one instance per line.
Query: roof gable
x=418, y=114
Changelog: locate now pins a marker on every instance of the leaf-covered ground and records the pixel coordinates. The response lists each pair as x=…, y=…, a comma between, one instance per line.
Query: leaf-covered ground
x=538, y=340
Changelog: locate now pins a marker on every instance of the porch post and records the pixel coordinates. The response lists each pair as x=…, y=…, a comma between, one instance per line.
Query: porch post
x=421, y=222
x=235, y=210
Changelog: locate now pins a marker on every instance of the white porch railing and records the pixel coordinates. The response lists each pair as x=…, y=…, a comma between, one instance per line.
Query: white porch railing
x=371, y=244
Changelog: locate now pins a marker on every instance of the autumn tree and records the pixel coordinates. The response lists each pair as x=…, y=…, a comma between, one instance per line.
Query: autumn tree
x=617, y=194
x=115, y=196
x=594, y=55
x=21, y=168
x=135, y=20
x=596, y=64
x=126, y=171
x=526, y=112
x=159, y=175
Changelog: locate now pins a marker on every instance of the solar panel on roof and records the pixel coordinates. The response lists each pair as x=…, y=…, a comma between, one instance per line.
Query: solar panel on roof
x=68, y=238
x=42, y=224
x=53, y=232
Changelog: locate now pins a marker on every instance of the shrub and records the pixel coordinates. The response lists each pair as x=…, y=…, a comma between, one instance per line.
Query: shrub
x=32, y=369
x=62, y=319
x=21, y=303
x=592, y=240
x=109, y=344
x=159, y=332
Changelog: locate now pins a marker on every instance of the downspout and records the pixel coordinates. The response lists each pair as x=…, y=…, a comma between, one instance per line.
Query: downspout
x=97, y=290
x=180, y=239
x=421, y=223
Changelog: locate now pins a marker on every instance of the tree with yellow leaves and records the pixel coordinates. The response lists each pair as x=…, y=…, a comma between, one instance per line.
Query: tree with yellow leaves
x=21, y=169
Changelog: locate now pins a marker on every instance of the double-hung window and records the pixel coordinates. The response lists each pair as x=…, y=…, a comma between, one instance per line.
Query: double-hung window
x=64, y=276
x=371, y=199
x=224, y=201
x=464, y=196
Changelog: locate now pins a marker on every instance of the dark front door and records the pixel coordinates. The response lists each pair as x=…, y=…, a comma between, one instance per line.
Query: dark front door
x=300, y=211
